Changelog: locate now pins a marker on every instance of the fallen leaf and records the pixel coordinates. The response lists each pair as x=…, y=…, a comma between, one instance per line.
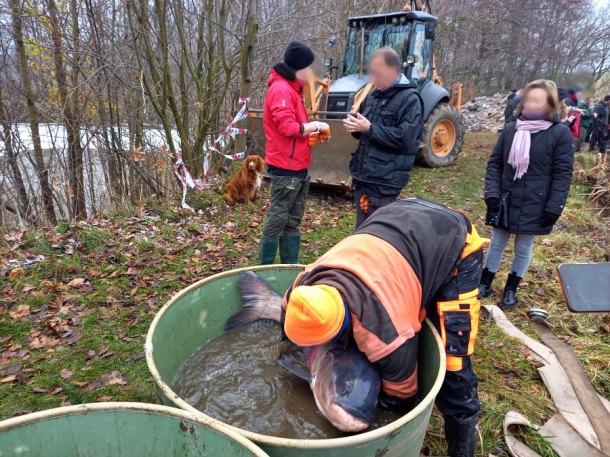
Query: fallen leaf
x=104, y=398
x=39, y=390
x=113, y=378
x=10, y=378
x=16, y=273
x=138, y=356
x=27, y=288
x=13, y=369
x=20, y=311
x=65, y=373
x=76, y=282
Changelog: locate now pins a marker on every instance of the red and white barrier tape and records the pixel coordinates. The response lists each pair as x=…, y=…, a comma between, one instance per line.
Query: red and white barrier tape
x=231, y=131
x=182, y=173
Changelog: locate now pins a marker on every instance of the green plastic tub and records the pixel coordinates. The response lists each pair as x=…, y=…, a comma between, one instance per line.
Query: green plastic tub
x=199, y=312
x=120, y=430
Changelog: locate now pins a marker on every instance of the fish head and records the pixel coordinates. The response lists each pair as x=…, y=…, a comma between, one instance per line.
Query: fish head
x=346, y=388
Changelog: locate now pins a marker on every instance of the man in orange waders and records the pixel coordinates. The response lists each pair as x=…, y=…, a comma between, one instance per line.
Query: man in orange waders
x=410, y=259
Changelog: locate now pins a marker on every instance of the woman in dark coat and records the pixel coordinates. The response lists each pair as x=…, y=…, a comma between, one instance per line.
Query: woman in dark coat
x=527, y=183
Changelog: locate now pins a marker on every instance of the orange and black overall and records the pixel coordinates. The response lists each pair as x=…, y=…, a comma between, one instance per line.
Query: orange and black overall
x=410, y=259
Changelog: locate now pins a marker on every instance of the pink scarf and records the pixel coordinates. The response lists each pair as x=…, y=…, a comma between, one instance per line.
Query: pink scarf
x=519, y=156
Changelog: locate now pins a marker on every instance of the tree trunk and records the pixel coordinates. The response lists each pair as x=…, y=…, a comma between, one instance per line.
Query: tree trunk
x=248, y=53
x=23, y=205
x=69, y=104
x=41, y=169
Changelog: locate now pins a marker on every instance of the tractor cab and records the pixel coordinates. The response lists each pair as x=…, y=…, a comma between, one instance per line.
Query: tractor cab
x=409, y=33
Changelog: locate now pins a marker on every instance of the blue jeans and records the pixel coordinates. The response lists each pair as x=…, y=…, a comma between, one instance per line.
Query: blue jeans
x=523, y=251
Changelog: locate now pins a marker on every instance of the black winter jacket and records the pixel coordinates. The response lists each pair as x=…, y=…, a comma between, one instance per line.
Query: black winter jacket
x=386, y=153
x=601, y=121
x=545, y=185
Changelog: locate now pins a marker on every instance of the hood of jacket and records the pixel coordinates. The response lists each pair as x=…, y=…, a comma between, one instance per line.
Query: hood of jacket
x=281, y=73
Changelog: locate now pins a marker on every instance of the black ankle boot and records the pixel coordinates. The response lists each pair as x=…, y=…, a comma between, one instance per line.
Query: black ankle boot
x=487, y=277
x=509, y=300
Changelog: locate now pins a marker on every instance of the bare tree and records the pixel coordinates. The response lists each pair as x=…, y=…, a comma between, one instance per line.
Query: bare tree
x=28, y=92
x=68, y=98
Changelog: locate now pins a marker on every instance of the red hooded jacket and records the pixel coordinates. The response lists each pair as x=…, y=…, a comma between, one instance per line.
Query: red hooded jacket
x=284, y=113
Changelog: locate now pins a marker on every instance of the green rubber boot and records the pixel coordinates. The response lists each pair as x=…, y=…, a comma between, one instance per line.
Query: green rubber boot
x=268, y=249
x=289, y=248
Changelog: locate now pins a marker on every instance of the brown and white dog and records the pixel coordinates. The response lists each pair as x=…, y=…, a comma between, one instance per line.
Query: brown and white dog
x=247, y=181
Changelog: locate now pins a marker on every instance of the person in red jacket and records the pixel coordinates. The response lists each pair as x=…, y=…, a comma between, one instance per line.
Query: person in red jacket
x=287, y=153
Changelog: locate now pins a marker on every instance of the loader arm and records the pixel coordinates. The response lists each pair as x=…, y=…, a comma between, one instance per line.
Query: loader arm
x=316, y=95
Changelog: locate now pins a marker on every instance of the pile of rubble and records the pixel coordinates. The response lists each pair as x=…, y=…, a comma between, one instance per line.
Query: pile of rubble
x=484, y=114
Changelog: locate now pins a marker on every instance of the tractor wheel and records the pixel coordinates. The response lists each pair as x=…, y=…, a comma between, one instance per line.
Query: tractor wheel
x=442, y=138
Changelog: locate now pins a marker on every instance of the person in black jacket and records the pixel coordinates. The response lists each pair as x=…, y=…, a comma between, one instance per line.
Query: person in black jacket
x=388, y=127
x=512, y=101
x=527, y=184
x=600, y=125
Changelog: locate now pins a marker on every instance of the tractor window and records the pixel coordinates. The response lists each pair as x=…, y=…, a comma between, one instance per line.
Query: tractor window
x=422, y=49
x=375, y=36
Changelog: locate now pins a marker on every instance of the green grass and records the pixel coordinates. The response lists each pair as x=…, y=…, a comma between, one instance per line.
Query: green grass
x=136, y=258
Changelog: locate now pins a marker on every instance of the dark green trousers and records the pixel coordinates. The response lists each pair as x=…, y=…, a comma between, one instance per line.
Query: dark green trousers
x=288, y=197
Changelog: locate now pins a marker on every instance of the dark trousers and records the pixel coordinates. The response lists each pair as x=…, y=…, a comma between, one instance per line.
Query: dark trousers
x=288, y=197
x=374, y=203
x=456, y=317
x=588, y=134
x=598, y=137
x=581, y=138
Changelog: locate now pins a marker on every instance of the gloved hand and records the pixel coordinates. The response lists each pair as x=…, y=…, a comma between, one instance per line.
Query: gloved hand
x=549, y=218
x=364, y=203
x=493, y=205
x=321, y=135
x=321, y=126
x=396, y=405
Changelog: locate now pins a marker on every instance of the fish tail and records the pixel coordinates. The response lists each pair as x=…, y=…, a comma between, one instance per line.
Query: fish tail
x=260, y=302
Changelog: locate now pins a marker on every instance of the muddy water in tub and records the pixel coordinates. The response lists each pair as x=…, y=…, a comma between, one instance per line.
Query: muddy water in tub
x=236, y=379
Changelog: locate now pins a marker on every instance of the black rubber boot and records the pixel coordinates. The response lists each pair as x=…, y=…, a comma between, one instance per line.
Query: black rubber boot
x=267, y=251
x=461, y=436
x=289, y=248
x=487, y=277
x=509, y=300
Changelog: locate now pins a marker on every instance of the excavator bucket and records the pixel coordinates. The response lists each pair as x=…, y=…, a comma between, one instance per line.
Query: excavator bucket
x=329, y=162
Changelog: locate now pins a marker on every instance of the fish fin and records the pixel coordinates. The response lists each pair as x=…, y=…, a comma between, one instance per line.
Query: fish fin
x=260, y=302
x=297, y=368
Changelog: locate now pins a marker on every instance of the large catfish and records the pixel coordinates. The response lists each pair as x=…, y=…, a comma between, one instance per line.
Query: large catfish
x=344, y=383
